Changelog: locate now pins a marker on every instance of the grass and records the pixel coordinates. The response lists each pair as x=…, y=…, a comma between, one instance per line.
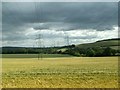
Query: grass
x=109, y=43
x=70, y=72
x=34, y=55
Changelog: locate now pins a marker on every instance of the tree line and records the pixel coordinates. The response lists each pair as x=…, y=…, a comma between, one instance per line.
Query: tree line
x=71, y=50
x=92, y=52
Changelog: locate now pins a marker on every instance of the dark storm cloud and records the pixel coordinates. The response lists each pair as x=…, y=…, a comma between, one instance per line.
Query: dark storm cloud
x=100, y=16
x=66, y=16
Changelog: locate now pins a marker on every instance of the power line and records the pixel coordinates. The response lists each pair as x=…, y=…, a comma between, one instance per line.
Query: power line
x=39, y=34
x=40, y=46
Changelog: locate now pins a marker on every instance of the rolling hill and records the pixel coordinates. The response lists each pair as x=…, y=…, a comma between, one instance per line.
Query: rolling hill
x=112, y=43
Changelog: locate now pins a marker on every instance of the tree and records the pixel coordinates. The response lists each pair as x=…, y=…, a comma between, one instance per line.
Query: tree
x=107, y=51
x=90, y=52
x=98, y=51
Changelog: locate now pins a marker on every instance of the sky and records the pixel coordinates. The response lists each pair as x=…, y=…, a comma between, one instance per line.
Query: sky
x=58, y=22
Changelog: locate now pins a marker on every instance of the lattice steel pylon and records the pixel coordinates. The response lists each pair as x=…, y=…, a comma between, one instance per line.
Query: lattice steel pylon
x=40, y=46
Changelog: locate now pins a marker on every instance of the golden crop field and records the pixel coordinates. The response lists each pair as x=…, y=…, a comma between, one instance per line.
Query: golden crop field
x=69, y=72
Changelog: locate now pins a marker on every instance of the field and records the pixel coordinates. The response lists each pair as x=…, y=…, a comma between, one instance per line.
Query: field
x=61, y=72
x=103, y=43
x=34, y=55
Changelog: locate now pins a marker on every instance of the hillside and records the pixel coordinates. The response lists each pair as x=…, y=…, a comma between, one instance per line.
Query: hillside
x=112, y=43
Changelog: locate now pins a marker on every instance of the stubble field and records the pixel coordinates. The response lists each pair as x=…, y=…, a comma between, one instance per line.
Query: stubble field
x=64, y=72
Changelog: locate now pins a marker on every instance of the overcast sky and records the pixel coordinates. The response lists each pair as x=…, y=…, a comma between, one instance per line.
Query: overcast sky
x=86, y=22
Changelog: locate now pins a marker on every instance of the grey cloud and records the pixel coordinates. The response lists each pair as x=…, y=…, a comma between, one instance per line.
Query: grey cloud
x=14, y=36
x=41, y=26
x=62, y=16
x=98, y=16
x=83, y=37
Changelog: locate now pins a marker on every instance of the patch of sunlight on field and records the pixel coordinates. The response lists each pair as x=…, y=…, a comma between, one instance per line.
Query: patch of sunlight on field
x=73, y=72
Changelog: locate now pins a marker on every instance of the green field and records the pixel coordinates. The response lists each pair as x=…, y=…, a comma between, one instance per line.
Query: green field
x=103, y=43
x=64, y=72
x=34, y=55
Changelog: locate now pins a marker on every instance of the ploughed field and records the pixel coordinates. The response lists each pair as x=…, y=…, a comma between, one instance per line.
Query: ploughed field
x=60, y=72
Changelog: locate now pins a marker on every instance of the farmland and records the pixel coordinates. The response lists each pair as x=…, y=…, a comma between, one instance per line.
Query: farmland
x=60, y=72
x=34, y=55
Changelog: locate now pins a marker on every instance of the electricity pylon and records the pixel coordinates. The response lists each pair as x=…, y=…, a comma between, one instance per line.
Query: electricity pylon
x=40, y=46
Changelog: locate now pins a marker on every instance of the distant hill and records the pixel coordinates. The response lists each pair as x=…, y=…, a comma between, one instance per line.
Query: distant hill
x=112, y=43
